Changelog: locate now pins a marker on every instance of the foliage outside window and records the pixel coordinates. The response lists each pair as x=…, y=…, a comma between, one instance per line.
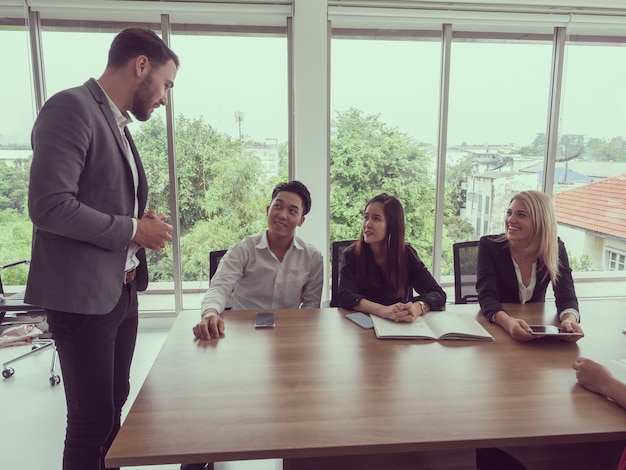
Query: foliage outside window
x=222, y=191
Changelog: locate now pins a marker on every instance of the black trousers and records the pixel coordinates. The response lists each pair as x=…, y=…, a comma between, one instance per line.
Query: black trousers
x=95, y=353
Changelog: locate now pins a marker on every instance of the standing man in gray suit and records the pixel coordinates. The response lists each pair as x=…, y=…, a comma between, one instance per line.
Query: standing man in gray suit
x=87, y=201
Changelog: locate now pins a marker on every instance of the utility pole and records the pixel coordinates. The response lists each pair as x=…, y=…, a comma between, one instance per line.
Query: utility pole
x=239, y=119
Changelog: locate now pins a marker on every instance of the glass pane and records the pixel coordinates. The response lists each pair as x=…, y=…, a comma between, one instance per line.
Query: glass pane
x=16, y=120
x=499, y=95
x=384, y=104
x=71, y=57
x=591, y=166
x=231, y=140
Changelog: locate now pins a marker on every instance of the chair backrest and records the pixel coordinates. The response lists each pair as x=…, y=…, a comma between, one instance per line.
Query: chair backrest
x=337, y=257
x=15, y=302
x=465, y=264
x=214, y=260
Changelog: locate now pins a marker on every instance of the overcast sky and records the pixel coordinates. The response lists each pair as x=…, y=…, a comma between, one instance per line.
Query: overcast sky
x=498, y=92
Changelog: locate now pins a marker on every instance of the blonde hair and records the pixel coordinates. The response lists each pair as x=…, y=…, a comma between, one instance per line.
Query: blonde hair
x=544, y=240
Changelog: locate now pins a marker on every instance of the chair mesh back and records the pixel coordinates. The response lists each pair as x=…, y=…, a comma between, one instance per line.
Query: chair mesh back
x=337, y=257
x=465, y=263
x=214, y=260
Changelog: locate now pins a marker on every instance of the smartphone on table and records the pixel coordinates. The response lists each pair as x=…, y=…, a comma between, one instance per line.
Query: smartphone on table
x=361, y=319
x=551, y=330
x=264, y=320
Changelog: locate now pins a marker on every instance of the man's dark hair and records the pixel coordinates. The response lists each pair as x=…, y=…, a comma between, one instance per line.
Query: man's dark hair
x=133, y=42
x=298, y=188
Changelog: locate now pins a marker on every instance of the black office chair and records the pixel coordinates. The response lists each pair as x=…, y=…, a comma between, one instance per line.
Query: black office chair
x=465, y=264
x=21, y=313
x=337, y=256
x=214, y=260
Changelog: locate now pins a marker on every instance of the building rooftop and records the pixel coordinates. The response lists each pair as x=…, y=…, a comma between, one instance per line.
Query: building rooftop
x=597, y=207
x=499, y=174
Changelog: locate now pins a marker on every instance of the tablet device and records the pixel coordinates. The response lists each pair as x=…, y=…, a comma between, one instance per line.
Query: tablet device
x=361, y=319
x=550, y=330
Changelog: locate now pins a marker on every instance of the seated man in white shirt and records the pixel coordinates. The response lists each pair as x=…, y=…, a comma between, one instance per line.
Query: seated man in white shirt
x=271, y=270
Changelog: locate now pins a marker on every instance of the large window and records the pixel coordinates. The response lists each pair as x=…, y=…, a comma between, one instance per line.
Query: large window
x=384, y=105
x=591, y=157
x=232, y=119
x=16, y=119
x=496, y=131
x=72, y=56
x=231, y=139
x=617, y=261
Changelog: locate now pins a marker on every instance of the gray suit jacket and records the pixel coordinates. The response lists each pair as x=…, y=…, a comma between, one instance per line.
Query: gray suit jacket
x=81, y=203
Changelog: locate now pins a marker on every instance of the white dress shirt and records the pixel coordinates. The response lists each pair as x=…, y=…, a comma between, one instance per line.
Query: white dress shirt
x=526, y=292
x=122, y=121
x=251, y=277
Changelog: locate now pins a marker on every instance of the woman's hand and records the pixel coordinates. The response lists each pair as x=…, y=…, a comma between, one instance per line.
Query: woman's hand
x=516, y=327
x=591, y=375
x=520, y=331
x=597, y=378
x=406, y=312
x=570, y=325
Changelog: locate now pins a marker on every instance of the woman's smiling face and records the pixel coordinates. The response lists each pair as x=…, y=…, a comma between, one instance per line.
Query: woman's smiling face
x=518, y=223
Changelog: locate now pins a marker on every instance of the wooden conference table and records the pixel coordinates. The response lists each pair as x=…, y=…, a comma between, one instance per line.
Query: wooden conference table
x=318, y=389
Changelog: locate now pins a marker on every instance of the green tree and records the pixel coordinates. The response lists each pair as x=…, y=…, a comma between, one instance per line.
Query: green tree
x=14, y=185
x=15, y=241
x=456, y=184
x=457, y=229
x=222, y=192
x=367, y=158
x=570, y=146
x=16, y=233
x=613, y=150
x=580, y=264
x=538, y=147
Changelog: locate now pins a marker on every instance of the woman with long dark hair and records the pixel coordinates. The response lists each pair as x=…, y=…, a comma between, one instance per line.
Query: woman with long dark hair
x=380, y=272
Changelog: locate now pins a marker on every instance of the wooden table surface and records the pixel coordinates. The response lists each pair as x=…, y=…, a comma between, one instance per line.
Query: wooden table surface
x=318, y=385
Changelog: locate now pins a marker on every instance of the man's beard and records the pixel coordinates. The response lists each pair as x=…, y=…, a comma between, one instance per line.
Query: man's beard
x=142, y=101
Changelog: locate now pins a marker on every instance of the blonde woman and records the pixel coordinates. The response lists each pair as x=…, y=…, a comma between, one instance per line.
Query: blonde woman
x=518, y=265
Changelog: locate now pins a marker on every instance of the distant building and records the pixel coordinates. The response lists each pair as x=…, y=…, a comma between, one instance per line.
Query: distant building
x=593, y=220
x=491, y=157
x=488, y=196
x=566, y=179
x=267, y=155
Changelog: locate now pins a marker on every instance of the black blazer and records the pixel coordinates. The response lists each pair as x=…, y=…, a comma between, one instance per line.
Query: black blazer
x=419, y=278
x=496, y=281
x=81, y=201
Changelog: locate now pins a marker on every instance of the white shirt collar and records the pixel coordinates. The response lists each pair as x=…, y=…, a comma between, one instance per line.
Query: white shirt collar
x=121, y=119
x=263, y=243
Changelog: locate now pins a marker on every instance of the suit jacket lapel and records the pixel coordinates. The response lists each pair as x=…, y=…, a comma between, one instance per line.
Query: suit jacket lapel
x=142, y=184
x=101, y=98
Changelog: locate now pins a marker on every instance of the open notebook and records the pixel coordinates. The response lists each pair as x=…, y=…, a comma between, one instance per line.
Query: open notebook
x=433, y=325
